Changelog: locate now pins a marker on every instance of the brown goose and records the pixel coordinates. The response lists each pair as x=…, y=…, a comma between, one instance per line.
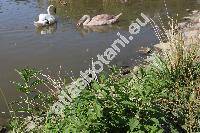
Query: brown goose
x=103, y=19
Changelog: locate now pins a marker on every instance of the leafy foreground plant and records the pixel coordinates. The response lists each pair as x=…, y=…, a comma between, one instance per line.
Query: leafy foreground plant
x=163, y=96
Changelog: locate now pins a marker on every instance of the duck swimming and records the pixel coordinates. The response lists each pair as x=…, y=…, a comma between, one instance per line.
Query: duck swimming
x=45, y=19
x=103, y=19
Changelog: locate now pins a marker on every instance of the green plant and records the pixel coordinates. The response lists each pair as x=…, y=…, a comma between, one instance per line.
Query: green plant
x=163, y=96
x=35, y=102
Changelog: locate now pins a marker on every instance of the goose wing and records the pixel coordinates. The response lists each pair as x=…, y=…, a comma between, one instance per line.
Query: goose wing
x=103, y=17
x=42, y=17
x=50, y=18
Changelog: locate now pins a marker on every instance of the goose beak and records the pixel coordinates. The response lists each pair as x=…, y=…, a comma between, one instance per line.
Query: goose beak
x=78, y=24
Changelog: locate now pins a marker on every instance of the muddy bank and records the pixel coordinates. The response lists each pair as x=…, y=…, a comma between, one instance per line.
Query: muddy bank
x=189, y=28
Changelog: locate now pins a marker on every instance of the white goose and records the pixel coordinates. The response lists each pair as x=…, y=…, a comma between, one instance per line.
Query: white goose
x=103, y=19
x=45, y=19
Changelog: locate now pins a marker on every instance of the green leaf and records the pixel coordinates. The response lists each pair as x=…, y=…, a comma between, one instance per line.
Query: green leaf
x=134, y=124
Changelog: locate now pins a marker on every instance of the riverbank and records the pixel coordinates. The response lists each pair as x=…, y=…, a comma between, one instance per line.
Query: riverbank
x=161, y=96
x=189, y=28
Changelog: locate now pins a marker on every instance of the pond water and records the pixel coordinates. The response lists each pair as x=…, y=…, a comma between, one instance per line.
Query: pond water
x=21, y=44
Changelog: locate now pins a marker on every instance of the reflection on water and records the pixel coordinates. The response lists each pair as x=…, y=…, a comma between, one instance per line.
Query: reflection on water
x=84, y=30
x=47, y=29
x=21, y=44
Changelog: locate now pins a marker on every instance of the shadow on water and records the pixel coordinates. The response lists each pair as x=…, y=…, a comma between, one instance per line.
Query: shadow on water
x=21, y=44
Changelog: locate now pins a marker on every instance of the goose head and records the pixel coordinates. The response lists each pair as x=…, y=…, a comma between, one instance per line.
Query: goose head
x=84, y=20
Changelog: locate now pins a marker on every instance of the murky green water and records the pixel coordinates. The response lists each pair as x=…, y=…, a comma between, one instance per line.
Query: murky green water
x=21, y=44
